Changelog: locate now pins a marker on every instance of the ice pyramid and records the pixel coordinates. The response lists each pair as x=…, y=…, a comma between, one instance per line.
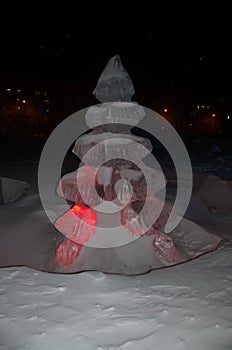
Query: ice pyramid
x=116, y=222
x=114, y=83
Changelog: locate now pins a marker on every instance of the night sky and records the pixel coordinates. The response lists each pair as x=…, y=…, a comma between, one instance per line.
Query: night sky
x=187, y=49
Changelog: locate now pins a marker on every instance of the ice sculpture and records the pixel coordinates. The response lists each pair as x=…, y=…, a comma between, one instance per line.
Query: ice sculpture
x=115, y=176
x=115, y=83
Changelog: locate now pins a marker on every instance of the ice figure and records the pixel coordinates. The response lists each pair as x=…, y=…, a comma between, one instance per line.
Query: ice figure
x=124, y=191
x=164, y=247
x=114, y=172
x=114, y=168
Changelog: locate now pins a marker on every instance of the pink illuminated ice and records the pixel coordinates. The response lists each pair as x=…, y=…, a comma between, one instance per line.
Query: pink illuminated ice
x=164, y=247
x=67, y=253
x=145, y=218
x=77, y=224
x=79, y=186
x=129, y=219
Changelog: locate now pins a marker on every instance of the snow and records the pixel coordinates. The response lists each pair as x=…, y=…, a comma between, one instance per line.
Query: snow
x=186, y=306
x=95, y=149
x=11, y=189
x=109, y=138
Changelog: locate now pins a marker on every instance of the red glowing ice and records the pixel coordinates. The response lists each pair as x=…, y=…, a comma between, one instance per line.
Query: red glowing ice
x=67, y=252
x=128, y=219
x=77, y=224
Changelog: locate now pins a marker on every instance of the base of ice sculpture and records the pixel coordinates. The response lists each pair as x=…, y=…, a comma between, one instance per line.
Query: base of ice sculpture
x=139, y=256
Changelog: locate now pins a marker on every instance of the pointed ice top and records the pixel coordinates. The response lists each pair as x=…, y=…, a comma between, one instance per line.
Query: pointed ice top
x=114, y=83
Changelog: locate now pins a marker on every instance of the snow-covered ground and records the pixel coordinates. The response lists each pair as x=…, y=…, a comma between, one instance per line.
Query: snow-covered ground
x=184, y=307
x=187, y=306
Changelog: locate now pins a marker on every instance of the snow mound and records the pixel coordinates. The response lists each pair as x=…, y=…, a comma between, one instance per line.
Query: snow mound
x=11, y=189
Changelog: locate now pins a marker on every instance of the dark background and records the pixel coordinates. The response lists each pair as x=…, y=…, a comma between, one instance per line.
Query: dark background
x=178, y=55
x=174, y=47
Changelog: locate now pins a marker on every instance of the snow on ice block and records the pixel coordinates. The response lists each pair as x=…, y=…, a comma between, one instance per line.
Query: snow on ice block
x=11, y=189
x=79, y=187
x=96, y=149
x=77, y=224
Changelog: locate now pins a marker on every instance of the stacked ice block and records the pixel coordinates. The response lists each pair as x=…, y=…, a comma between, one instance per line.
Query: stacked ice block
x=113, y=170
